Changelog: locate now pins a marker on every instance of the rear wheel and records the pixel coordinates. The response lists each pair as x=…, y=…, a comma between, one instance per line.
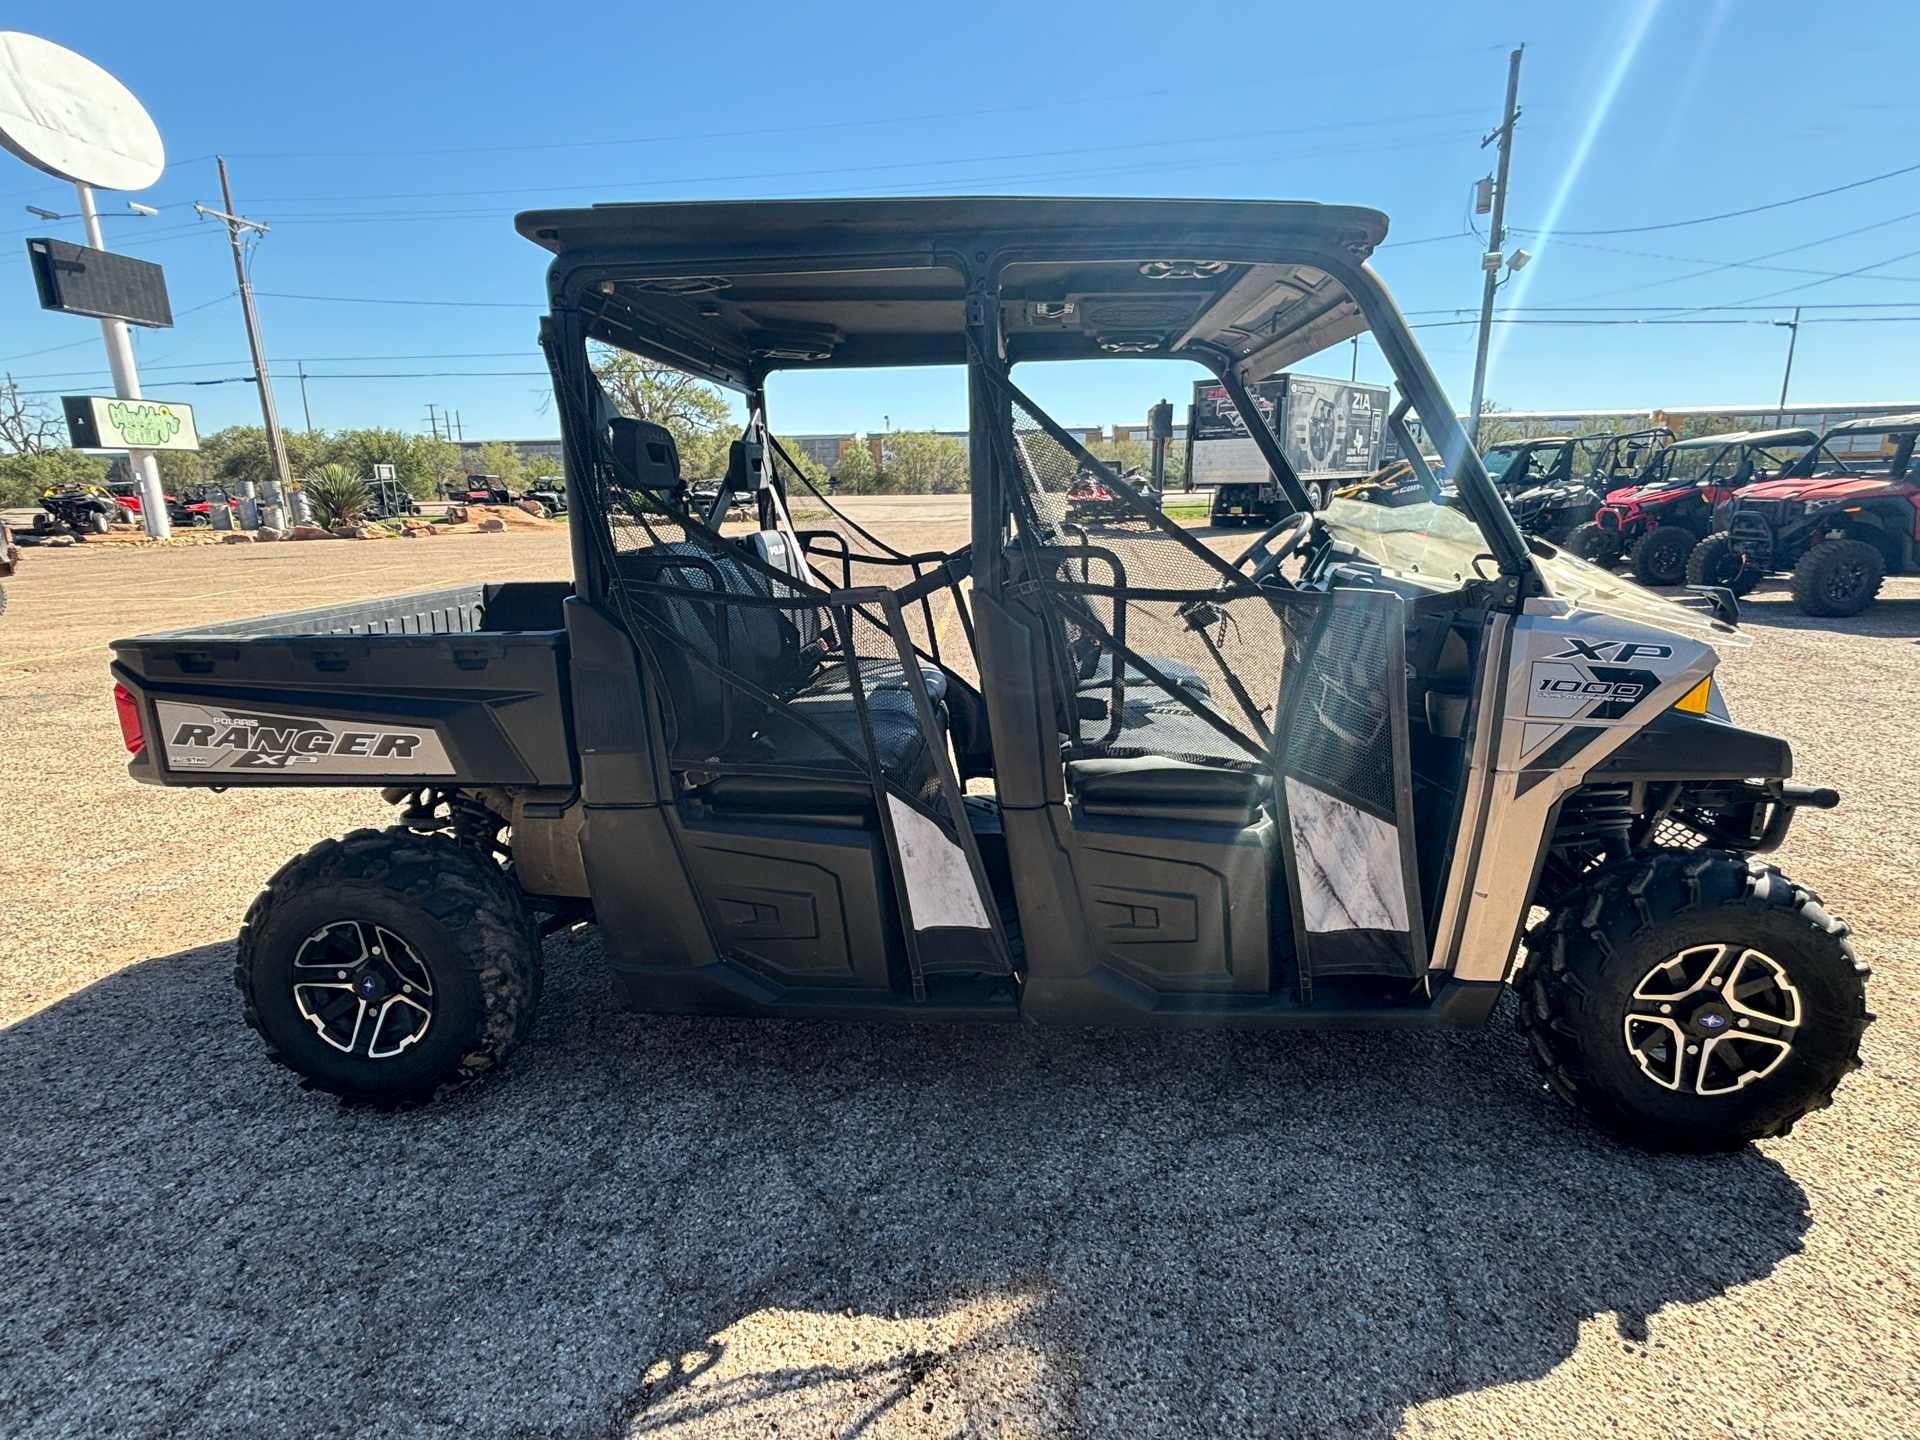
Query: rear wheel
x=1660, y=556
x=1714, y=561
x=389, y=966
x=97, y=522
x=1693, y=1000
x=1594, y=545
x=1837, y=578
x=1318, y=493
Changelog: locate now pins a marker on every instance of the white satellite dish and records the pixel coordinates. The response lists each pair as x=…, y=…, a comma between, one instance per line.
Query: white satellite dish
x=63, y=114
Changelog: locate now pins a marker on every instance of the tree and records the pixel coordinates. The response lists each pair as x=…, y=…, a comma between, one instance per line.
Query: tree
x=696, y=413
x=925, y=462
x=499, y=458
x=27, y=424
x=856, y=473
x=805, y=463
x=25, y=474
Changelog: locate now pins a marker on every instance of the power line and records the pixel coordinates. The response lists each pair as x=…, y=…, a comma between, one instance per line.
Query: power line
x=364, y=300
x=1735, y=214
x=1129, y=98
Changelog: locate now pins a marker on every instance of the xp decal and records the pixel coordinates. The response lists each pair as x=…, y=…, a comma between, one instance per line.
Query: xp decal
x=200, y=737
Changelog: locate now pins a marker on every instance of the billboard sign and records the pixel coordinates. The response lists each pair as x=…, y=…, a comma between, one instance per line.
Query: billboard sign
x=1325, y=427
x=96, y=422
x=79, y=280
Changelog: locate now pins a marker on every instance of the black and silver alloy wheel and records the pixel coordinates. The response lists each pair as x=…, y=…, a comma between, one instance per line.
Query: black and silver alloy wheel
x=1712, y=1019
x=1692, y=1000
x=363, y=989
x=389, y=966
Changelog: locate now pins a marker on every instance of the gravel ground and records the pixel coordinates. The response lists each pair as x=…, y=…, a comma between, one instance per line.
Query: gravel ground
x=679, y=1227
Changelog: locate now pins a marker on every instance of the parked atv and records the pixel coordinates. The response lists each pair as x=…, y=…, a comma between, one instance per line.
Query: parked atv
x=1655, y=524
x=1090, y=501
x=76, y=510
x=1839, y=519
x=1556, y=484
x=1056, y=776
x=9, y=560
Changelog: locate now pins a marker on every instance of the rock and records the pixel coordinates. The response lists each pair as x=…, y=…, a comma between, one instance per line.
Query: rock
x=266, y=533
x=347, y=532
x=456, y=514
x=311, y=532
x=491, y=523
x=236, y=537
x=59, y=540
x=535, y=508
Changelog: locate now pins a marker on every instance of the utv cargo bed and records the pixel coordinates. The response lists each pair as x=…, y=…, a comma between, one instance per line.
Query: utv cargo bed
x=464, y=686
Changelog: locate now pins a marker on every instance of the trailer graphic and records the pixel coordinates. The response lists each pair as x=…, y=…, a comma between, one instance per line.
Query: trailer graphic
x=1332, y=431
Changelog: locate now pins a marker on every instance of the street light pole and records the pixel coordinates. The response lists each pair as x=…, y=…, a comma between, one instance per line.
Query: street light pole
x=1793, y=340
x=1496, y=240
x=126, y=384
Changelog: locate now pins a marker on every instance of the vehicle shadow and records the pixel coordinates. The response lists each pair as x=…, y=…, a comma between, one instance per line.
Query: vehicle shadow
x=1891, y=617
x=655, y=1226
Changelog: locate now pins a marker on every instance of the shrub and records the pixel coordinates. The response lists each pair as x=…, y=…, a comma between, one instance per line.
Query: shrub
x=336, y=494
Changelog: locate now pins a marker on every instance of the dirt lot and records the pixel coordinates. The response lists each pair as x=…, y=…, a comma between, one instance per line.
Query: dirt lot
x=655, y=1226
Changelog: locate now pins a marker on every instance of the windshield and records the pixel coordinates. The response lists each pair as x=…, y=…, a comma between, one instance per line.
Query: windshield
x=1498, y=459
x=1871, y=453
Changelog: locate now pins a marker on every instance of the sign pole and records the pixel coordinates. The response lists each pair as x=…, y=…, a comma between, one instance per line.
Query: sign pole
x=126, y=384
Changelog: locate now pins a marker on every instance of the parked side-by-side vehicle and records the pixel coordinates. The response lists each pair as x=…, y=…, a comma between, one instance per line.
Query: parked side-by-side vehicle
x=1370, y=770
x=1655, y=523
x=1839, y=519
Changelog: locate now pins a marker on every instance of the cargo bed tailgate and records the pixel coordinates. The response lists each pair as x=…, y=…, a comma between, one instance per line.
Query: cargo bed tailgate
x=460, y=686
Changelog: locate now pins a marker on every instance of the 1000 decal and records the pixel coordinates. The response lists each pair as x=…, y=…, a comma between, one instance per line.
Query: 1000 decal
x=205, y=737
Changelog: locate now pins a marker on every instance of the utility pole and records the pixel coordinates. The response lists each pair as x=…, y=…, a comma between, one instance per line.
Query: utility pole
x=433, y=421
x=126, y=384
x=305, y=408
x=1496, y=240
x=459, y=429
x=276, y=442
x=1793, y=340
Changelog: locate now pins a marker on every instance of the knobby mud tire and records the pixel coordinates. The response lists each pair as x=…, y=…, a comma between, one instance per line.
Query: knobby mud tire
x=1584, y=960
x=1838, y=578
x=1715, y=562
x=451, y=904
x=1594, y=545
x=1660, y=556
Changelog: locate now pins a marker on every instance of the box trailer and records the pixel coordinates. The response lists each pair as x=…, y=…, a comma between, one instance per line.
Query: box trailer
x=1332, y=431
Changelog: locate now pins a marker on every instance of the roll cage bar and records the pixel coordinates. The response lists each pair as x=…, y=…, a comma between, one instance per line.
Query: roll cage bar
x=733, y=291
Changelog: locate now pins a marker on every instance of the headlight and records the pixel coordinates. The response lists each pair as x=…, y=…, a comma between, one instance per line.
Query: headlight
x=1813, y=505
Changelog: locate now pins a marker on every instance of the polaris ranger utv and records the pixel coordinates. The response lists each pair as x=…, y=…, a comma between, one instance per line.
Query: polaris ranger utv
x=1656, y=523
x=1839, y=519
x=1337, y=779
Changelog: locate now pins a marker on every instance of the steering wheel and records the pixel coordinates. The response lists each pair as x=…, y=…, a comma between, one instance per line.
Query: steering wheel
x=1296, y=527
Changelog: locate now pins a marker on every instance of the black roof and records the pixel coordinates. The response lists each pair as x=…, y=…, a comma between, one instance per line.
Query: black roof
x=734, y=289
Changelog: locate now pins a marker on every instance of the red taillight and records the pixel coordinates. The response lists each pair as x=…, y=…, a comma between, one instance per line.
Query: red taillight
x=129, y=709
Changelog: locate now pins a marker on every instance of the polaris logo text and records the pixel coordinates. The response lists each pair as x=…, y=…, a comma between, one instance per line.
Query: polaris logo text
x=207, y=737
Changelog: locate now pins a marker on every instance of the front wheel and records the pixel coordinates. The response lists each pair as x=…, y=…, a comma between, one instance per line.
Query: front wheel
x=1714, y=561
x=1660, y=556
x=389, y=966
x=1693, y=1000
x=1594, y=545
x=1837, y=578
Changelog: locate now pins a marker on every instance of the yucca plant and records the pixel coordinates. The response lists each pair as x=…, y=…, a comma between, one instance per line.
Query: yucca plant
x=336, y=494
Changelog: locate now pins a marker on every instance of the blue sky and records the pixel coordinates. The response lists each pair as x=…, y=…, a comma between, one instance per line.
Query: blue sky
x=388, y=147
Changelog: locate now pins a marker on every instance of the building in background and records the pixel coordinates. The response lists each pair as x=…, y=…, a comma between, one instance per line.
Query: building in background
x=541, y=457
